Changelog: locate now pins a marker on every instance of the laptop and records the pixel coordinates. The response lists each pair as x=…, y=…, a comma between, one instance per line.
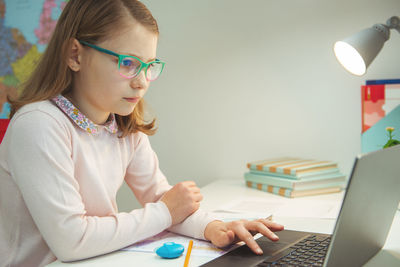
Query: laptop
x=364, y=221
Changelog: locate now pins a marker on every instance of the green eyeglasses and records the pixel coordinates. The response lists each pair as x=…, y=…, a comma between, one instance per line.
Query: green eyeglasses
x=130, y=66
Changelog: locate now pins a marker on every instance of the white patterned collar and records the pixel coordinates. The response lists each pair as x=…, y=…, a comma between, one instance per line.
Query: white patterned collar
x=81, y=120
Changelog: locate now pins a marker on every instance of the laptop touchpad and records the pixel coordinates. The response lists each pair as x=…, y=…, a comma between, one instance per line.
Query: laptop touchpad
x=243, y=256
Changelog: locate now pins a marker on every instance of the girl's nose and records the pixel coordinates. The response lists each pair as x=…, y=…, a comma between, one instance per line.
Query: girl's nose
x=140, y=81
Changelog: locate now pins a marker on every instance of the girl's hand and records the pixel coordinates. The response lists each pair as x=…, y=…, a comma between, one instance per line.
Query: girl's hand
x=222, y=234
x=182, y=200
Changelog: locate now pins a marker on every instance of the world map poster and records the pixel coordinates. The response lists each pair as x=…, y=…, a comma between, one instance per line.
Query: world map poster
x=25, y=29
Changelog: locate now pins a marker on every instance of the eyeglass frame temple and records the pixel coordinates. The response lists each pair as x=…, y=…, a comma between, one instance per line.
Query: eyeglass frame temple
x=121, y=57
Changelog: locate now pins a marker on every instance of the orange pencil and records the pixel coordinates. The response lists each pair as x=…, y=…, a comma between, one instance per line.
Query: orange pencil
x=188, y=253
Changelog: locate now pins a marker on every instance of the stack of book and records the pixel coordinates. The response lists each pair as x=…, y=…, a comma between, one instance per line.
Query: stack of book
x=295, y=177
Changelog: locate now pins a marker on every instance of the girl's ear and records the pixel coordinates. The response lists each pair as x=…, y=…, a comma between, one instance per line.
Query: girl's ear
x=74, y=55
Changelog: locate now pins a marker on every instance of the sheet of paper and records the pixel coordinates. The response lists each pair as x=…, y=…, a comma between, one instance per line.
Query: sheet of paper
x=227, y=215
x=200, y=247
x=283, y=207
x=249, y=205
x=309, y=210
x=246, y=208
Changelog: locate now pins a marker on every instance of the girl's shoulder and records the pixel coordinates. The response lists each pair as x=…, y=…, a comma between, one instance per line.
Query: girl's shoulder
x=41, y=112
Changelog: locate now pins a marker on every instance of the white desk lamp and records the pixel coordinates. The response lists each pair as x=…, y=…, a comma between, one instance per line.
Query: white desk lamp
x=356, y=52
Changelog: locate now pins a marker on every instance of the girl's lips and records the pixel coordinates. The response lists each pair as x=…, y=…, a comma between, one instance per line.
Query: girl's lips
x=132, y=99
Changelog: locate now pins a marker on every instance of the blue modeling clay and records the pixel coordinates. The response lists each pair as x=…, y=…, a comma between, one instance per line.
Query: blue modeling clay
x=170, y=250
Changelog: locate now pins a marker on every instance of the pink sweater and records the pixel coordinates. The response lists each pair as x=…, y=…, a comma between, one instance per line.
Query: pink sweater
x=58, y=186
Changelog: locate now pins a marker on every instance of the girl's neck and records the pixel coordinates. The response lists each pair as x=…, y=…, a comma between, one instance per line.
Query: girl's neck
x=96, y=117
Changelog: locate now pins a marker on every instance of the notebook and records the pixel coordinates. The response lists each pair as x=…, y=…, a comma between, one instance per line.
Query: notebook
x=371, y=198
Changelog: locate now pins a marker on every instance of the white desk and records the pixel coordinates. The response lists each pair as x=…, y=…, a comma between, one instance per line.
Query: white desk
x=224, y=191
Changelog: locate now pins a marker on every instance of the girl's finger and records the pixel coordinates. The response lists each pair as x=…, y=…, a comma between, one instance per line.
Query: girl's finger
x=273, y=226
x=195, y=189
x=198, y=197
x=189, y=183
x=261, y=228
x=243, y=234
x=226, y=238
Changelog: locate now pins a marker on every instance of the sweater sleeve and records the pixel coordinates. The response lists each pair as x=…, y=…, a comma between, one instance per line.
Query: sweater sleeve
x=40, y=161
x=194, y=225
x=143, y=174
x=148, y=183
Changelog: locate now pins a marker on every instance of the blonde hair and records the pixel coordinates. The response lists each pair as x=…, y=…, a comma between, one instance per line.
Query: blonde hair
x=92, y=21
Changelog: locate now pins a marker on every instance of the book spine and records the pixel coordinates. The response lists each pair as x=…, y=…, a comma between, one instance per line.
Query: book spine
x=263, y=179
x=271, y=161
x=325, y=190
x=271, y=165
x=300, y=176
x=294, y=168
x=328, y=181
x=285, y=192
x=274, y=174
x=313, y=168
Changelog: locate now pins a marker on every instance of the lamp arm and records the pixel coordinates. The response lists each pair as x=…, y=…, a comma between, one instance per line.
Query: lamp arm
x=394, y=23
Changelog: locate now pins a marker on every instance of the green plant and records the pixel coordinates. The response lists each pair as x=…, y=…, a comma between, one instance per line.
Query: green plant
x=391, y=141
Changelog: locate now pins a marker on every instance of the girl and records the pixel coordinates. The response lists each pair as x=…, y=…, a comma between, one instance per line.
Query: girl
x=78, y=132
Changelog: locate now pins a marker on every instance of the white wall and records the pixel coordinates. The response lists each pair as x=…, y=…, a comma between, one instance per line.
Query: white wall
x=248, y=80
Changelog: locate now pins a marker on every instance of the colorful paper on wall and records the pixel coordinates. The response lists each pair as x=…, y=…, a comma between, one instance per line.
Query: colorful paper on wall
x=376, y=137
x=378, y=100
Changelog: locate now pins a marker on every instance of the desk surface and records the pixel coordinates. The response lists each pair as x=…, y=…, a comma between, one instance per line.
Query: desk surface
x=234, y=190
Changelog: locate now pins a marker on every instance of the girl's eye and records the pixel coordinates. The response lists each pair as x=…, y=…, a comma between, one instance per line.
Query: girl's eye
x=127, y=63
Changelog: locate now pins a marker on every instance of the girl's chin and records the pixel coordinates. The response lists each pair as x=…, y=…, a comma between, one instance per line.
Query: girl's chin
x=125, y=111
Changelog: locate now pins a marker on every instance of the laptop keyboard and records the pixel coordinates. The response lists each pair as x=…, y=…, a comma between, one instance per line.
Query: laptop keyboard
x=310, y=251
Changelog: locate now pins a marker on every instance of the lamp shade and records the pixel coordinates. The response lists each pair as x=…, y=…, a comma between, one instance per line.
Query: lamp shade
x=356, y=52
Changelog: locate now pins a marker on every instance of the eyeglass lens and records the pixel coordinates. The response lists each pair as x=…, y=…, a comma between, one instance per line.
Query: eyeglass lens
x=129, y=67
